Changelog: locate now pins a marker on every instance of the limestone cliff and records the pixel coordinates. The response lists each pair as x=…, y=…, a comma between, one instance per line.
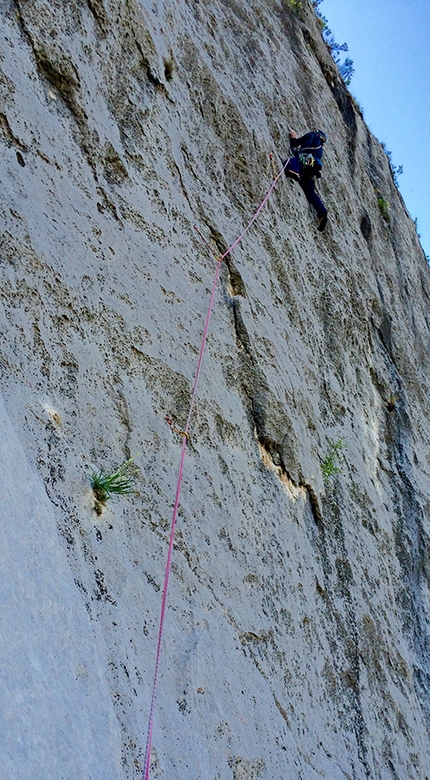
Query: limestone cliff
x=297, y=633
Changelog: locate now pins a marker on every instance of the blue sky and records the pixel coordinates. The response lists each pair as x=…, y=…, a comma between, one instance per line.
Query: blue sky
x=388, y=41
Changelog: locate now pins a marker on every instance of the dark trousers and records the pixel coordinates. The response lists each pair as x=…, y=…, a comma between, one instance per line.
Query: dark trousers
x=307, y=183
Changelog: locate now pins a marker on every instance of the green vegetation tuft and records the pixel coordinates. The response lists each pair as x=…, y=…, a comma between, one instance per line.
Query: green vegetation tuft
x=328, y=464
x=120, y=483
x=384, y=208
x=294, y=5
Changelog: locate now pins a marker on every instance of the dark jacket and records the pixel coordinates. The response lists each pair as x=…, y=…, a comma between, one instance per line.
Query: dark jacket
x=308, y=144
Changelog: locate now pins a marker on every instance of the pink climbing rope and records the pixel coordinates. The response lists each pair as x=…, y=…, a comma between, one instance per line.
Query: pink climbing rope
x=181, y=469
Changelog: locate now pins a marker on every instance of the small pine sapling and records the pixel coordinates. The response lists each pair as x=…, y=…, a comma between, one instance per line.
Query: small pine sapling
x=120, y=483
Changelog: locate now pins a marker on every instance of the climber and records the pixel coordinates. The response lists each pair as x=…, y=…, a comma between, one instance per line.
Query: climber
x=305, y=166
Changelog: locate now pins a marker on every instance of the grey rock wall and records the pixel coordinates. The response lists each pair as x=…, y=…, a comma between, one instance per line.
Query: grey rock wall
x=297, y=632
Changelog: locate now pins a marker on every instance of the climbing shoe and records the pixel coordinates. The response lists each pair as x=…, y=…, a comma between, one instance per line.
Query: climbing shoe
x=322, y=223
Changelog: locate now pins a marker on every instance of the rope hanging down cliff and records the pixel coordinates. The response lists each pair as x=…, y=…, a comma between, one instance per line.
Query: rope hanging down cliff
x=185, y=435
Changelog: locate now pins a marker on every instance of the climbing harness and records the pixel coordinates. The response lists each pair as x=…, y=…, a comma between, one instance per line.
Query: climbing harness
x=307, y=160
x=185, y=437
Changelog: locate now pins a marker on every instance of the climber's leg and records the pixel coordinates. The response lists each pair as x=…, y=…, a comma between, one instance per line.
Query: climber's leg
x=307, y=184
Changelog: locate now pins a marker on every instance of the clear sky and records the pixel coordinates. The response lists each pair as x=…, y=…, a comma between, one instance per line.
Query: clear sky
x=389, y=43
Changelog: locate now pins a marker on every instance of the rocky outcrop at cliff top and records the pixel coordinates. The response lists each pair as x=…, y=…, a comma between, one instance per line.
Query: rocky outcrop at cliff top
x=297, y=632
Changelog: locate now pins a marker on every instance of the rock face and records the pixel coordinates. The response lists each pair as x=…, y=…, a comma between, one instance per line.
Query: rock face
x=296, y=643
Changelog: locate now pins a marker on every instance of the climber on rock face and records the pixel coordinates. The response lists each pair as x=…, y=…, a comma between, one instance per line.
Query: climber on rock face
x=305, y=166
